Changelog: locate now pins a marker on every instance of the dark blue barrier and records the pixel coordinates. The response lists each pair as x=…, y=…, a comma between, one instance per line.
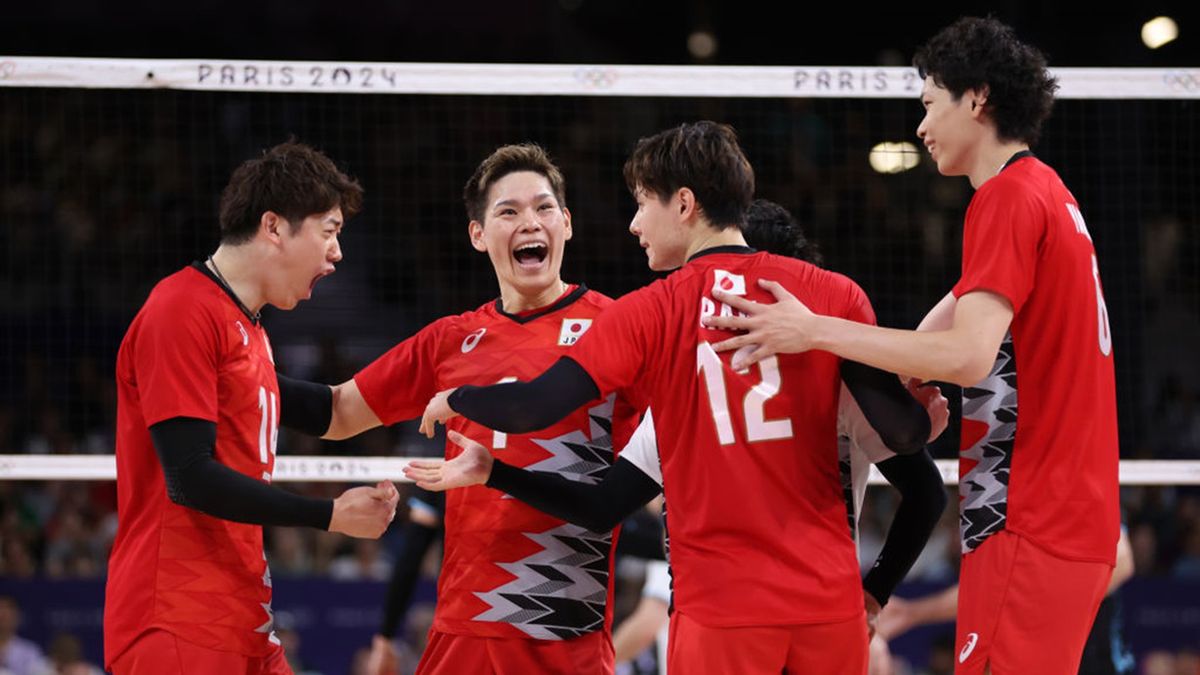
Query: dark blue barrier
x=335, y=619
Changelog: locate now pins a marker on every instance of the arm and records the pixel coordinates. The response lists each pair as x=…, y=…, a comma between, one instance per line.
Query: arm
x=598, y=507
x=350, y=414
x=195, y=479
x=1124, y=567
x=963, y=354
x=899, y=419
x=516, y=407
x=639, y=631
x=902, y=615
x=941, y=317
x=304, y=406
x=424, y=526
x=922, y=500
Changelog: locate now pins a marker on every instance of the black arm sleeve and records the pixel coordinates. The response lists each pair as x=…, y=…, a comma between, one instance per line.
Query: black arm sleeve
x=642, y=536
x=196, y=480
x=598, y=507
x=522, y=407
x=922, y=500
x=306, y=407
x=415, y=543
x=899, y=419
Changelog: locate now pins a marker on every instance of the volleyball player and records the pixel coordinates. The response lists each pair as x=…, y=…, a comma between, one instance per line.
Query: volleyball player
x=1025, y=331
x=520, y=591
x=766, y=574
x=198, y=405
x=636, y=477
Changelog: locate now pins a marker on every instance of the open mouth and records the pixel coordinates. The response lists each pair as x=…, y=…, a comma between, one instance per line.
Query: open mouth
x=313, y=284
x=531, y=254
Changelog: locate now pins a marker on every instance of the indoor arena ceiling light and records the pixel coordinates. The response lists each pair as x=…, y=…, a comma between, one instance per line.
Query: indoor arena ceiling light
x=896, y=157
x=1159, y=31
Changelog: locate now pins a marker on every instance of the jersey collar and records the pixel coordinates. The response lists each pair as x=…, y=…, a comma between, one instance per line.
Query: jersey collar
x=562, y=301
x=1012, y=160
x=199, y=266
x=731, y=248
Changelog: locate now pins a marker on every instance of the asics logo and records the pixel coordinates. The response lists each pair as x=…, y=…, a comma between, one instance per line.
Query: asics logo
x=972, y=638
x=473, y=339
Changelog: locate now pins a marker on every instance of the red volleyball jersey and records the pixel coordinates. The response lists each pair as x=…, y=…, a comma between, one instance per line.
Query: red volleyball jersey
x=509, y=570
x=1046, y=468
x=191, y=352
x=749, y=458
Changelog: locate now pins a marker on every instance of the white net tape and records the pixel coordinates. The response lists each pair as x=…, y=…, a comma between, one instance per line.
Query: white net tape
x=331, y=77
x=371, y=469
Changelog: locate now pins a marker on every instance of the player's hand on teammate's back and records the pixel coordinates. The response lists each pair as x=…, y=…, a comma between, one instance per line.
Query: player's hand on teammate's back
x=472, y=466
x=438, y=410
x=365, y=512
x=782, y=327
x=930, y=397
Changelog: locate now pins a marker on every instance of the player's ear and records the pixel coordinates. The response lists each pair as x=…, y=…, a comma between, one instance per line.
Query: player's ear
x=475, y=232
x=978, y=99
x=271, y=225
x=686, y=203
x=566, y=224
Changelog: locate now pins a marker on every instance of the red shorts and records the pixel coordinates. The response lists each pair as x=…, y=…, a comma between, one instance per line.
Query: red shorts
x=449, y=654
x=161, y=653
x=1023, y=610
x=827, y=648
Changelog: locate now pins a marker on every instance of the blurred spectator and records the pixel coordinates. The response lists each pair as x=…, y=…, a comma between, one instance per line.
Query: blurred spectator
x=18, y=656
x=365, y=562
x=66, y=654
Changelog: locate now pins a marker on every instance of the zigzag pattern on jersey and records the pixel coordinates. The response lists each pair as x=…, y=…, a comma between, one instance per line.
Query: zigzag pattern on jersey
x=560, y=591
x=983, y=491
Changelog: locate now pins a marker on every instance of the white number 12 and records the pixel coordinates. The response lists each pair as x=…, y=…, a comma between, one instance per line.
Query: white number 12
x=758, y=428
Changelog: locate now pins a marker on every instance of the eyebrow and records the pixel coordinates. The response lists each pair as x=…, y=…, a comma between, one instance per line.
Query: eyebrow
x=512, y=202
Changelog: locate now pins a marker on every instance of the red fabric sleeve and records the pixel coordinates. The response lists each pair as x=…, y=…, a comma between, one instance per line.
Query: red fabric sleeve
x=1001, y=238
x=398, y=385
x=176, y=360
x=614, y=351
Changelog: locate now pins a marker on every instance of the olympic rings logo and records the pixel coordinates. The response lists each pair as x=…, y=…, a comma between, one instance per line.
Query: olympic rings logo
x=7, y=68
x=1182, y=80
x=596, y=78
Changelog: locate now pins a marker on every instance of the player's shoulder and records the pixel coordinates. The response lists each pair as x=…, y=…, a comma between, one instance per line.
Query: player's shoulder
x=591, y=298
x=484, y=316
x=185, y=294
x=1026, y=182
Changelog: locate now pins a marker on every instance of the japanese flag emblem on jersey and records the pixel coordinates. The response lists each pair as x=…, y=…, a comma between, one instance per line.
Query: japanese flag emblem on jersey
x=572, y=330
x=734, y=284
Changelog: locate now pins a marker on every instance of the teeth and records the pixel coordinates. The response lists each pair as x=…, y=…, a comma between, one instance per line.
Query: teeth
x=530, y=247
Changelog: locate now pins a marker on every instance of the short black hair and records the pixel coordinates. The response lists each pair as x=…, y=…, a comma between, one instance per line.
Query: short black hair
x=770, y=227
x=974, y=53
x=291, y=179
x=508, y=159
x=705, y=158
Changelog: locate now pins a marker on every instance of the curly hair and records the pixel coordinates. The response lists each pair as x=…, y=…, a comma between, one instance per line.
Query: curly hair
x=770, y=227
x=977, y=53
x=291, y=179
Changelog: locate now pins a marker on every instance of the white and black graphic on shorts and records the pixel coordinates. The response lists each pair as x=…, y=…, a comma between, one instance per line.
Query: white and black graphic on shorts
x=984, y=489
x=560, y=592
